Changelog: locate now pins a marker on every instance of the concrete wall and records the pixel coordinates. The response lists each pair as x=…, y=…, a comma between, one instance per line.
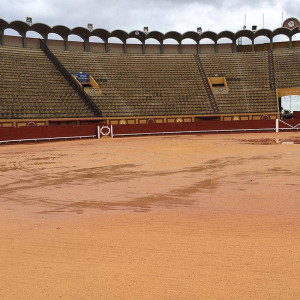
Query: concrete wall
x=17, y=41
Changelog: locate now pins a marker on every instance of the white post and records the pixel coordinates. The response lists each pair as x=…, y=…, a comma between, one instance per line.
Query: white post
x=277, y=125
x=98, y=132
x=111, y=131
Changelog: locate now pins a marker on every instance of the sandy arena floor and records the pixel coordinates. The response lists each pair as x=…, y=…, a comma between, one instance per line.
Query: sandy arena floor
x=171, y=217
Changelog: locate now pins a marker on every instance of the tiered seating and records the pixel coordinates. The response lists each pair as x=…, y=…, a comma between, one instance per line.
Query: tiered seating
x=142, y=85
x=286, y=64
x=247, y=77
x=31, y=87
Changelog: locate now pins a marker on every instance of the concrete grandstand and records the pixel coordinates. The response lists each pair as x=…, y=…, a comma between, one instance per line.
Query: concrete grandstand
x=136, y=84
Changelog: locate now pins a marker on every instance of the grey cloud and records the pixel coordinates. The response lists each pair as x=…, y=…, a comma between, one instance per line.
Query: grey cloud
x=163, y=15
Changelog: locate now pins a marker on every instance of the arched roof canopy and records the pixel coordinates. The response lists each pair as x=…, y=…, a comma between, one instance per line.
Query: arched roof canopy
x=263, y=32
x=3, y=24
x=173, y=35
x=81, y=32
x=282, y=30
x=226, y=34
x=245, y=33
x=209, y=35
x=295, y=31
x=19, y=26
x=139, y=35
x=41, y=28
x=61, y=30
x=120, y=34
x=155, y=35
x=191, y=35
x=101, y=33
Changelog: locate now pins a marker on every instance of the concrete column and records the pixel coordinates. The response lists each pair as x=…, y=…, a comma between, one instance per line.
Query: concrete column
x=106, y=46
x=271, y=44
x=24, y=40
x=253, y=47
x=2, y=37
x=143, y=47
x=124, y=47
x=66, y=44
x=161, y=48
x=234, y=46
x=86, y=45
x=291, y=43
x=180, y=48
x=216, y=48
x=198, y=48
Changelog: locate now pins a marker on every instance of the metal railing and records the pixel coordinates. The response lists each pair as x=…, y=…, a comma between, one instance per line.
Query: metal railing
x=209, y=92
x=59, y=66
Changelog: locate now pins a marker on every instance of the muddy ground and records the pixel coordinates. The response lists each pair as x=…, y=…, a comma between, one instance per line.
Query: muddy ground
x=170, y=217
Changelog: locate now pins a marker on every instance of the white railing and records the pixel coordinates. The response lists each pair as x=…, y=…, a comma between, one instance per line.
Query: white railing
x=108, y=131
x=290, y=127
x=49, y=139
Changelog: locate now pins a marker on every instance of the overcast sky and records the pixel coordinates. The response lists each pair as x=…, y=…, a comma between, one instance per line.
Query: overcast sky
x=162, y=15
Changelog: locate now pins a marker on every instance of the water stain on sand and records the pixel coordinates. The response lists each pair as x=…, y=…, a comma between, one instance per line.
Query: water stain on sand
x=267, y=141
x=114, y=174
x=179, y=197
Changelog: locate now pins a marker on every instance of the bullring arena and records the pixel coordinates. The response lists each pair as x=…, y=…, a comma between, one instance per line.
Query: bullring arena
x=148, y=171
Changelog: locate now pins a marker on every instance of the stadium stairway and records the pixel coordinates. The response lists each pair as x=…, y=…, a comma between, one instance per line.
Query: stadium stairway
x=142, y=85
x=248, y=80
x=286, y=65
x=31, y=87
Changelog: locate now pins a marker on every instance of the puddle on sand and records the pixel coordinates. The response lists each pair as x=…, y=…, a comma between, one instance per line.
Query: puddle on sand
x=290, y=141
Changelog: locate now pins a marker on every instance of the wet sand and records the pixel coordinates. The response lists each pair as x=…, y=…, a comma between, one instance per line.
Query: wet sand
x=170, y=217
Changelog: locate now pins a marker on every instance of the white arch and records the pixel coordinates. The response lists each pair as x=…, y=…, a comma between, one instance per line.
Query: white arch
x=170, y=41
x=245, y=40
x=224, y=40
x=95, y=39
x=54, y=36
x=207, y=41
x=188, y=41
x=114, y=40
x=12, y=32
x=74, y=38
x=280, y=38
x=296, y=37
x=33, y=34
x=261, y=40
x=133, y=40
x=152, y=41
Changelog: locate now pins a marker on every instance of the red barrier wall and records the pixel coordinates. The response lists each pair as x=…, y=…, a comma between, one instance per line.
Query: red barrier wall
x=38, y=132
x=296, y=114
x=194, y=126
x=292, y=122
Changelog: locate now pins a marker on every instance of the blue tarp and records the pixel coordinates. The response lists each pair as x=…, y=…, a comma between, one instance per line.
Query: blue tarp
x=82, y=77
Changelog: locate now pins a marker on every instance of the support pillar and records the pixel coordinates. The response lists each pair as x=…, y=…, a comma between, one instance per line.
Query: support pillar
x=24, y=40
x=277, y=125
x=66, y=44
x=234, y=47
x=86, y=45
x=106, y=46
x=252, y=47
x=198, y=48
x=216, y=48
x=180, y=48
x=161, y=48
x=143, y=47
x=2, y=37
x=291, y=43
x=124, y=47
